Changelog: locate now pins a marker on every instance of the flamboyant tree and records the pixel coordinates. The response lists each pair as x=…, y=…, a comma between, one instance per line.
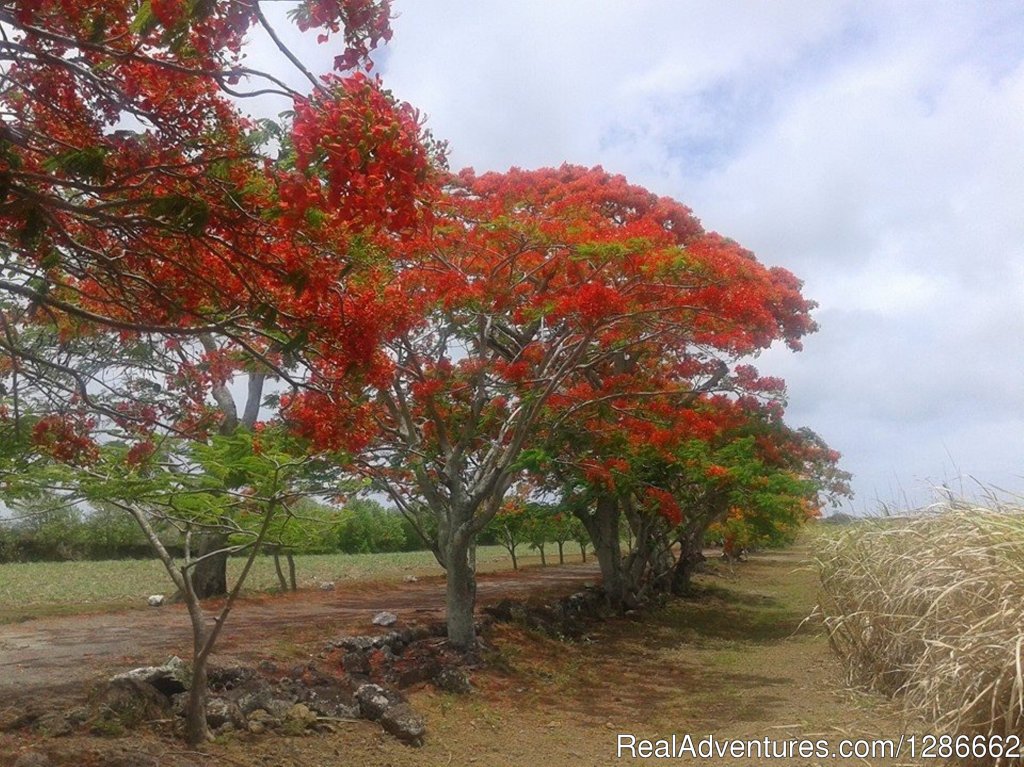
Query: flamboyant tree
x=156, y=243
x=528, y=284
x=669, y=474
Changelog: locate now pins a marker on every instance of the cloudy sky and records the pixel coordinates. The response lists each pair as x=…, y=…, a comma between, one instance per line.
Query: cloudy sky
x=876, y=149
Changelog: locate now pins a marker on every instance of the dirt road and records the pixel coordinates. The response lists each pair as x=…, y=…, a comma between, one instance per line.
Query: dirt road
x=68, y=652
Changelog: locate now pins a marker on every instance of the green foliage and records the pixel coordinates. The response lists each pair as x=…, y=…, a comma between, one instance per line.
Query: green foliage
x=539, y=524
x=366, y=526
x=52, y=532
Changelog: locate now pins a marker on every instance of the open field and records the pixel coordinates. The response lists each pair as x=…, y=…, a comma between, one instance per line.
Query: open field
x=36, y=589
x=735, y=661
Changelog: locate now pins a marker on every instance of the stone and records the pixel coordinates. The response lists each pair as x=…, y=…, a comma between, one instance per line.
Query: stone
x=257, y=727
x=356, y=662
x=171, y=678
x=156, y=600
x=229, y=677
x=298, y=719
x=396, y=640
x=404, y=723
x=452, y=680
x=327, y=586
x=411, y=579
x=265, y=699
x=385, y=618
x=221, y=712
x=127, y=702
x=261, y=720
x=374, y=700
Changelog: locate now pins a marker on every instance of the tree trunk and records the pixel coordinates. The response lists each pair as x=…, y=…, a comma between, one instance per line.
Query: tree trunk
x=460, y=595
x=210, y=575
x=197, y=732
x=280, y=573
x=543, y=559
x=603, y=525
x=515, y=562
x=690, y=558
x=561, y=553
x=583, y=552
x=291, y=571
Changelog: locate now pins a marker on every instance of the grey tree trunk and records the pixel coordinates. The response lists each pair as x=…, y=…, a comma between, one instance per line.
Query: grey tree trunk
x=280, y=573
x=210, y=575
x=460, y=594
x=291, y=571
x=602, y=523
x=690, y=558
x=197, y=732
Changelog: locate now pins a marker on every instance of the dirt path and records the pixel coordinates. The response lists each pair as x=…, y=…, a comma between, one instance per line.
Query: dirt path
x=68, y=652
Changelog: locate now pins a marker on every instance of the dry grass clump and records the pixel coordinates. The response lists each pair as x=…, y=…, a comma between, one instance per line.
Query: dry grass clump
x=931, y=608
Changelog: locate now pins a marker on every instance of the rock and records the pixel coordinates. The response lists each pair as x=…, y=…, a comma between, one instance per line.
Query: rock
x=257, y=728
x=229, y=677
x=507, y=611
x=356, y=662
x=396, y=640
x=221, y=712
x=260, y=721
x=452, y=680
x=411, y=579
x=405, y=724
x=265, y=699
x=334, y=708
x=374, y=700
x=385, y=618
x=298, y=719
x=127, y=702
x=327, y=586
x=393, y=713
x=356, y=643
x=178, y=703
x=156, y=600
x=171, y=678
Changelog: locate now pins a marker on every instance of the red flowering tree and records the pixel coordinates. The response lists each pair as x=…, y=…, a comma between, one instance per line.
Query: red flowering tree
x=541, y=290
x=158, y=243
x=671, y=470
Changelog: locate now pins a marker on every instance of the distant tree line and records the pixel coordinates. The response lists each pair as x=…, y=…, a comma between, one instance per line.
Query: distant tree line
x=60, y=534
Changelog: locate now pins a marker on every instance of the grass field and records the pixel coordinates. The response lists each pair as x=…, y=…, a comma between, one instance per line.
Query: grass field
x=45, y=588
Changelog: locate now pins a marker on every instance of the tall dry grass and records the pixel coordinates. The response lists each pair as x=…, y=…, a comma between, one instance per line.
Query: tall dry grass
x=931, y=609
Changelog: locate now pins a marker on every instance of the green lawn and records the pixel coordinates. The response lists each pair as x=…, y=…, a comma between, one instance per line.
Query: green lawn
x=41, y=588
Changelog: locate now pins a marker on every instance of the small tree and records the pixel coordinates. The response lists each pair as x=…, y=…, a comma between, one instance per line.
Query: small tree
x=561, y=532
x=539, y=528
x=509, y=527
x=578, y=533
